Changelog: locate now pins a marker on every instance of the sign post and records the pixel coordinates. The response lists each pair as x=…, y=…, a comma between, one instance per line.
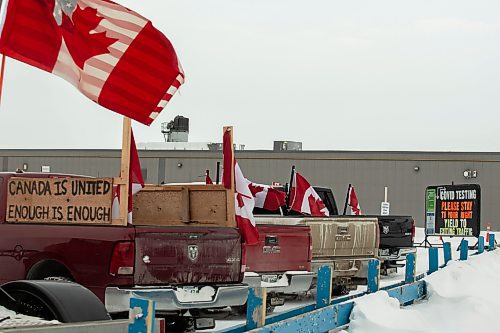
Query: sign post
x=385, y=206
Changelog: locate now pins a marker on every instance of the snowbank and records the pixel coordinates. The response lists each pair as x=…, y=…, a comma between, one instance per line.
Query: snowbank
x=9, y=319
x=463, y=297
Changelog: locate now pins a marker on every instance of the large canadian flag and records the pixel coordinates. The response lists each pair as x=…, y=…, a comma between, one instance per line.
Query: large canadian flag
x=244, y=204
x=136, y=183
x=267, y=197
x=304, y=199
x=353, y=202
x=113, y=55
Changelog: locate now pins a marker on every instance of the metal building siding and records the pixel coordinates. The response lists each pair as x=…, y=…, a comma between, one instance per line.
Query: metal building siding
x=368, y=171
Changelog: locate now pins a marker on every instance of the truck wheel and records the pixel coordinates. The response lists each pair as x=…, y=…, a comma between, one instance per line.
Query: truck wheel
x=63, y=301
x=49, y=270
x=339, y=290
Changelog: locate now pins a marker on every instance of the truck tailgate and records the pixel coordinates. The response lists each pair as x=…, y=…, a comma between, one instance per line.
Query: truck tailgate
x=396, y=231
x=187, y=255
x=344, y=237
x=333, y=236
x=281, y=248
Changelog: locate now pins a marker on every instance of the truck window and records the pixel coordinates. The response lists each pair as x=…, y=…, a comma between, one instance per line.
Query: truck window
x=332, y=206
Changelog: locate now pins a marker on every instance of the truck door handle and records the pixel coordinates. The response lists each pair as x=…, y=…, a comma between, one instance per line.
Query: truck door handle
x=271, y=240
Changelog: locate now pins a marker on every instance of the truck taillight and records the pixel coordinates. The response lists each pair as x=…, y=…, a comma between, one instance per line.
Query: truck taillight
x=413, y=232
x=310, y=256
x=122, y=260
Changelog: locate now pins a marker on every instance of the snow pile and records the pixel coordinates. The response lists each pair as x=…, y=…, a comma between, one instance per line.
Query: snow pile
x=10, y=319
x=463, y=297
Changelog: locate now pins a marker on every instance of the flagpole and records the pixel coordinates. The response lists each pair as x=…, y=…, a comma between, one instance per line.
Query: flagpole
x=231, y=213
x=217, y=174
x=290, y=188
x=2, y=70
x=346, y=199
x=124, y=180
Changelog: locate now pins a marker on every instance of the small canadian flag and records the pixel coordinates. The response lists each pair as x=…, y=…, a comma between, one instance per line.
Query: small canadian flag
x=304, y=199
x=353, y=202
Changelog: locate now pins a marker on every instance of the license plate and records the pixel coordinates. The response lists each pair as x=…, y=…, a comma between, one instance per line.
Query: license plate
x=343, y=265
x=190, y=294
x=276, y=301
x=270, y=278
x=204, y=323
x=384, y=252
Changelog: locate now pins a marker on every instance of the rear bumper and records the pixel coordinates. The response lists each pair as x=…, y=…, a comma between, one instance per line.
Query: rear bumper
x=171, y=298
x=396, y=254
x=289, y=282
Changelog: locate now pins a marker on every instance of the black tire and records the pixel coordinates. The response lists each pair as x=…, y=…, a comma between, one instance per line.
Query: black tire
x=63, y=301
x=339, y=290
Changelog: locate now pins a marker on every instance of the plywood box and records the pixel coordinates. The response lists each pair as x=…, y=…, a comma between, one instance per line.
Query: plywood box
x=72, y=200
x=187, y=204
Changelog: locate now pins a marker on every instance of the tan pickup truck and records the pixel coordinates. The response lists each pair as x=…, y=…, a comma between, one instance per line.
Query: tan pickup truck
x=344, y=243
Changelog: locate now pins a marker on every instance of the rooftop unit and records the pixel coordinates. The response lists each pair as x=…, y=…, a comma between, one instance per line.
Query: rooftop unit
x=176, y=130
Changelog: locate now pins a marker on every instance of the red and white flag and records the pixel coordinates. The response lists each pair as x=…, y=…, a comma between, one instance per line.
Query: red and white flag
x=267, y=197
x=113, y=55
x=244, y=204
x=353, y=202
x=136, y=182
x=304, y=199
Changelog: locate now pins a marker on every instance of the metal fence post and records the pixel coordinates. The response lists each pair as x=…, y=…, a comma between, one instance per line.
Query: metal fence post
x=324, y=287
x=373, y=275
x=491, y=245
x=141, y=316
x=447, y=252
x=464, y=249
x=410, y=268
x=256, y=308
x=433, y=260
x=480, y=245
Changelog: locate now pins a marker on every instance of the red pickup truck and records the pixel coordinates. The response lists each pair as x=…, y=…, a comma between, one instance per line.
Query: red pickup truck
x=180, y=267
x=281, y=261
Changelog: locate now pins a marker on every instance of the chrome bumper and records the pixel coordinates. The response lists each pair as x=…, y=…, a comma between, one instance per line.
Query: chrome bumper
x=289, y=282
x=399, y=255
x=171, y=298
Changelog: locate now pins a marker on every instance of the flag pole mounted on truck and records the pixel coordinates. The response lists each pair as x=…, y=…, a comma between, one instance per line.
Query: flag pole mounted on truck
x=290, y=189
x=124, y=180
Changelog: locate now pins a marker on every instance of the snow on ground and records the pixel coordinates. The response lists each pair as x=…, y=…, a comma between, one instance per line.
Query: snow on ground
x=10, y=319
x=463, y=297
x=379, y=304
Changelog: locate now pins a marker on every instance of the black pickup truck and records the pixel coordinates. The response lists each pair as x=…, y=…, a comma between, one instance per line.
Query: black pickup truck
x=397, y=233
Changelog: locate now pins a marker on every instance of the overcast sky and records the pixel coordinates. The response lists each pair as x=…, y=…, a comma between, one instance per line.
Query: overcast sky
x=349, y=75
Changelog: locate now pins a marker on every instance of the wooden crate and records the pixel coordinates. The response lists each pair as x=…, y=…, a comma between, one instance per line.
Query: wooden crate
x=189, y=204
